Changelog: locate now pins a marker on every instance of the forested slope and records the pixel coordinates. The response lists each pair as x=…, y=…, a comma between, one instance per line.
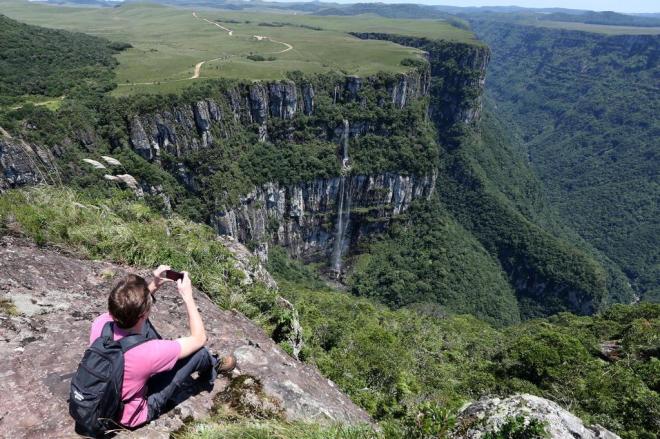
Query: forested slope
x=587, y=108
x=39, y=61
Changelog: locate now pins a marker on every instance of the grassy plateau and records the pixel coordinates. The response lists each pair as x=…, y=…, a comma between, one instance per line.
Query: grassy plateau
x=171, y=47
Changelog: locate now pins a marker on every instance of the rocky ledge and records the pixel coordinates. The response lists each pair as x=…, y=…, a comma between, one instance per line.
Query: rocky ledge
x=58, y=295
x=490, y=415
x=22, y=163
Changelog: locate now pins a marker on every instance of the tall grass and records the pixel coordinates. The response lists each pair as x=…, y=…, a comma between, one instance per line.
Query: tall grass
x=246, y=428
x=122, y=229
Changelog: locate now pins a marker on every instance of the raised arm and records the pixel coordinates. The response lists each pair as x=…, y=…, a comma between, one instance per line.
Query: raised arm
x=158, y=280
x=197, y=336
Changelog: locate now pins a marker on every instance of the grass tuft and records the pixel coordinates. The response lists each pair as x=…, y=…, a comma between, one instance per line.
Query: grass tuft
x=7, y=307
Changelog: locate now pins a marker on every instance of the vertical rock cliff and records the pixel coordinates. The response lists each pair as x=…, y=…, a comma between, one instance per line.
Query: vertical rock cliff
x=24, y=164
x=302, y=216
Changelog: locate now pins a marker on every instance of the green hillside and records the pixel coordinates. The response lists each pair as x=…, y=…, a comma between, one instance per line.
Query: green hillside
x=586, y=106
x=480, y=248
x=46, y=62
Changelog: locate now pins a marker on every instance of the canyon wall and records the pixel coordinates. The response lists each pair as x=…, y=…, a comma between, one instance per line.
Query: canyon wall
x=325, y=218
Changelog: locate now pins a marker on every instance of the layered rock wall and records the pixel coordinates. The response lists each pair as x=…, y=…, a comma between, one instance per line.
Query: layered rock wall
x=302, y=217
x=458, y=72
x=314, y=219
x=24, y=164
x=190, y=126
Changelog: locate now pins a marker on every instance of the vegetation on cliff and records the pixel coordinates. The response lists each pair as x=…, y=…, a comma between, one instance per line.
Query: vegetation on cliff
x=587, y=114
x=388, y=361
x=489, y=245
x=432, y=264
x=511, y=252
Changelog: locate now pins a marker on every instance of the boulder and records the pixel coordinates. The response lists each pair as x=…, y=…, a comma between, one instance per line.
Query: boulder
x=57, y=295
x=489, y=415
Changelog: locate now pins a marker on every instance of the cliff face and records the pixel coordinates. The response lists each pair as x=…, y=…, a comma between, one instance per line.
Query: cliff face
x=190, y=126
x=458, y=72
x=318, y=218
x=312, y=219
x=23, y=164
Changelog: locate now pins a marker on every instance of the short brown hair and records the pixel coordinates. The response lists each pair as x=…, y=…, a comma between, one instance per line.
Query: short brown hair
x=129, y=300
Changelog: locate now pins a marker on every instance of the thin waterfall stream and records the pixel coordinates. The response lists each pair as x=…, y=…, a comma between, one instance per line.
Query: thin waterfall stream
x=343, y=205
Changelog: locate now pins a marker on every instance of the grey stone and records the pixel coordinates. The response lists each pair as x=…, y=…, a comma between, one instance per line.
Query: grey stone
x=490, y=414
x=23, y=164
x=300, y=216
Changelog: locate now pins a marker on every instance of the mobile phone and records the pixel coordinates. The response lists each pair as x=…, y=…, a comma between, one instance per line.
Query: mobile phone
x=173, y=275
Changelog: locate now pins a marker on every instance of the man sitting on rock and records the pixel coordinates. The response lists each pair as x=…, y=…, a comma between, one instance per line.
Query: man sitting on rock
x=155, y=370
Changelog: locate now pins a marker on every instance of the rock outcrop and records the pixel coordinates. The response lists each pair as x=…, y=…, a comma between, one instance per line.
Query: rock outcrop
x=458, y=74
x=302, y=217
x=58, y=296
x=188, y=127
x=489, y=415
x=23, y=164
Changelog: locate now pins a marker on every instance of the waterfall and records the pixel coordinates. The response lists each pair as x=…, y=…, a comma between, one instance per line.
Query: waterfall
x=343, y=205
x=344, y=160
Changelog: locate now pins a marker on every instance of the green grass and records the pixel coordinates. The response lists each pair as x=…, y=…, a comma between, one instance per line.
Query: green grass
x=231, y=426
x=7, y=307
x=168, y=42
x=38, y=101
x=122, y=229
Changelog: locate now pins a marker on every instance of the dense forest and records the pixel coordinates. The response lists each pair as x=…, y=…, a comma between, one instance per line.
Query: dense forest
x=585, y=107
x=47, y=62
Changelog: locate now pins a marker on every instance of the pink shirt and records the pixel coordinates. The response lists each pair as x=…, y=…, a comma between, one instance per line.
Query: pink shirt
x=140, y=363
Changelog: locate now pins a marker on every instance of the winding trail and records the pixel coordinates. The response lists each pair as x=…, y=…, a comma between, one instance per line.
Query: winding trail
x=288, y=46
x=198, y=67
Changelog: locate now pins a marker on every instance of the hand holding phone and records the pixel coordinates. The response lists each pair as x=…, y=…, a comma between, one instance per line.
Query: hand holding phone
x=173, y=275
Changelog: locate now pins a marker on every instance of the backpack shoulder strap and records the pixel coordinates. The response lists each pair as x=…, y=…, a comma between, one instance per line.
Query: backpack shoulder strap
x=130, y=341
x=107, y=331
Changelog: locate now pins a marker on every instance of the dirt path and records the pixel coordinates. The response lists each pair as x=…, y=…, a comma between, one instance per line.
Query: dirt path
x=198, y=67
x=229, y=31
x=288, y=46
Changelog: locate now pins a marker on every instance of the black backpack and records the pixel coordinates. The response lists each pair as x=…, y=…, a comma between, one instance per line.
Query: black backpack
x=95, y=399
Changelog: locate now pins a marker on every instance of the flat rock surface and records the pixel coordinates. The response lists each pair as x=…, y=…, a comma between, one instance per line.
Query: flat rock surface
x=58, y=296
